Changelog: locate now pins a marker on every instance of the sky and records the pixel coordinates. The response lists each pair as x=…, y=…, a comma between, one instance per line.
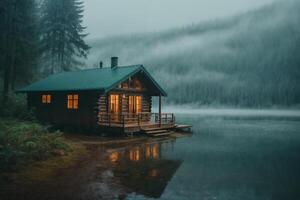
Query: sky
x=105, y=18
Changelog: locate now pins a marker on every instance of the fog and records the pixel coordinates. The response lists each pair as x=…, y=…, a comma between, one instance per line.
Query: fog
x=249, y=59
x=115, y=17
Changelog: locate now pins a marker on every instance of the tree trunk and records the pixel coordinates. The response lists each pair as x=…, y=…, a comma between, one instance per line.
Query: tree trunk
x=10, y=57
x=9, y=68
x=6, y=83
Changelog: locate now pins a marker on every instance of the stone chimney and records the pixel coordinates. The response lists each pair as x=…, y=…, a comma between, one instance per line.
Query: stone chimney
x=114, y=62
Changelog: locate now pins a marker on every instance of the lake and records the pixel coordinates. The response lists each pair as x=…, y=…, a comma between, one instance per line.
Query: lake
x=236, y=157
x=227, y=157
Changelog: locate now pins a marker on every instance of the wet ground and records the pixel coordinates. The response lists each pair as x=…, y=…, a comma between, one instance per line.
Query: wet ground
x=235, y=157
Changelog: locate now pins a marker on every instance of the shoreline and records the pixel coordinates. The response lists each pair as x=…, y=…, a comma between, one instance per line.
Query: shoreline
x=88, y=166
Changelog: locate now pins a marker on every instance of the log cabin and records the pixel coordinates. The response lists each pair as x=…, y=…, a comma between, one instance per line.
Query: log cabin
x=114, y=99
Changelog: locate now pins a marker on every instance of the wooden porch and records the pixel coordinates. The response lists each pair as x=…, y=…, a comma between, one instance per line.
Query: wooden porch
x=149, y=123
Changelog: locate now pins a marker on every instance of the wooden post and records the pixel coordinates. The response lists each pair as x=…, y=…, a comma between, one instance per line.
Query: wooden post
x=159, y=110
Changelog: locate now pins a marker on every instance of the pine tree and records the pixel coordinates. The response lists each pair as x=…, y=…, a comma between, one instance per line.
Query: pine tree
x=18, y=41
x=27, y=45
x=62, y=37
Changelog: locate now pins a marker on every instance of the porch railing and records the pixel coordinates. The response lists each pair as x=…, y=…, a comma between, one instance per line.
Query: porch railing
x=135, y=119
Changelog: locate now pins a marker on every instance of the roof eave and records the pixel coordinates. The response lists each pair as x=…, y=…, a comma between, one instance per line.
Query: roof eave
x=143, y=69
x=59, y=90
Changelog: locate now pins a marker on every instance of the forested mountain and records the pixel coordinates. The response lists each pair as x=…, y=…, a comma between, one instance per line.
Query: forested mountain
x=252, y=59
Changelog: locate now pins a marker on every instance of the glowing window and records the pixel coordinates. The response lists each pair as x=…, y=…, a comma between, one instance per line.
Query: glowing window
x=138, y=104
x=114, y=103
x=130, y=104
x=46, y=98
x=72, y=102
x=135, y=104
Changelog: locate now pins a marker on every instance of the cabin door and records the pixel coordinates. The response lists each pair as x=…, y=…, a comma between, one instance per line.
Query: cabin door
x=114, y=107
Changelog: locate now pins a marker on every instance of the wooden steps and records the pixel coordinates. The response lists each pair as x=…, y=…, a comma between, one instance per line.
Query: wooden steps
x=156, y=132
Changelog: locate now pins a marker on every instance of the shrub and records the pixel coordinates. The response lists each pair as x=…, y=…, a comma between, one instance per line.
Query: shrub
x=16, y=107
x=21, y=142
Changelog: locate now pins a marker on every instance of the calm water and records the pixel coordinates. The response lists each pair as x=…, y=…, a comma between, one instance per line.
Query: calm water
x=225, y=158
x=230, y=158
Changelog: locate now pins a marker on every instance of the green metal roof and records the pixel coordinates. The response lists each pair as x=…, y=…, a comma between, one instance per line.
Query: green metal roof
x=89, y=79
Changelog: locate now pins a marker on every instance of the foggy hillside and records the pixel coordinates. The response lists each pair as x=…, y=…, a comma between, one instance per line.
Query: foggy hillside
x=252, y=59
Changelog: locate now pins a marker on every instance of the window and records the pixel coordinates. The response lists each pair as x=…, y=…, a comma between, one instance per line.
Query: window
x=114, y=103
x=46, y=98
x=138, y=104
x=130, y=104
x=72, y=101
x=135, y=104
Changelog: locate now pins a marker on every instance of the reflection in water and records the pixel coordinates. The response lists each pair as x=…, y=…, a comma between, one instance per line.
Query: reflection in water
x=145, y=168
x=148, y=152
x=153, y=172
x=114, y=156
x=145, y=151
x=155, y=151
x=134, y=154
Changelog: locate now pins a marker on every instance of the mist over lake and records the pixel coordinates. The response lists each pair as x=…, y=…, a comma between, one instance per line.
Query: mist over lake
x=247, y=60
